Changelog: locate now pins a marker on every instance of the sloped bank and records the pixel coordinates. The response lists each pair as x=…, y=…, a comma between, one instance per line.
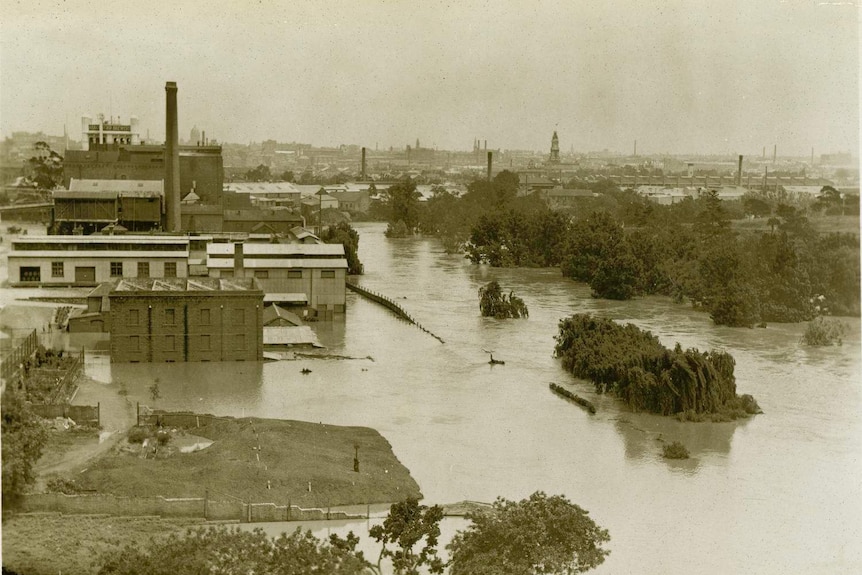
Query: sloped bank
x=254, y=467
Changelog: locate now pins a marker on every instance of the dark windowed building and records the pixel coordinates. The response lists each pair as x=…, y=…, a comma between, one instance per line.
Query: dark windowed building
x=175, y=320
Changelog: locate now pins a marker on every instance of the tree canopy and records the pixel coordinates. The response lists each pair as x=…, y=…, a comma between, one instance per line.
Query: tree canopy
x=538, y=535
x=46, y=167
x=223, y=550
x=494, y=303
x=23, y=437
x=344, y=234
x=407, y=526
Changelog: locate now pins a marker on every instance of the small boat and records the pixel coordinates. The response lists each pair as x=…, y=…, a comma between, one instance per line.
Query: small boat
x=305, y=371
x=494, y=361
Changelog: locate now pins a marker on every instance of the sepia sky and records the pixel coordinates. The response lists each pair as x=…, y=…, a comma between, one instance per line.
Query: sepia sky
x=679, y=76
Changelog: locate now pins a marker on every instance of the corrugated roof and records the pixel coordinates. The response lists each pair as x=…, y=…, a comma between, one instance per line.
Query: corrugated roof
x=273, y=312
x=284, y=297
x=182, y=284
x=262, y=188
x=296, y=335
x=99, y=238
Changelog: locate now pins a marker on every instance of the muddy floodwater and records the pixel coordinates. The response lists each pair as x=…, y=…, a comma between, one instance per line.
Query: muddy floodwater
x=779, y=493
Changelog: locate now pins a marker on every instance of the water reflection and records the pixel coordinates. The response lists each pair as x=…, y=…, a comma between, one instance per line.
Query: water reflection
x=222, y=388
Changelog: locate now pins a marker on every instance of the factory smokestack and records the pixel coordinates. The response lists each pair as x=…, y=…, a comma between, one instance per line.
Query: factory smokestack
x=172, y=160
x=490, y=163
x=739, y=172
x=774, y=153
x=204, y=137
x=363, y=163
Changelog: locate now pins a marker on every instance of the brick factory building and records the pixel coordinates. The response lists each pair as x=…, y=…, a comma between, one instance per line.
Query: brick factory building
x=204, y=319
x=201, y=167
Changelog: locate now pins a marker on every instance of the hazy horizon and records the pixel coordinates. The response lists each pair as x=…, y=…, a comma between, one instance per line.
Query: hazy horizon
x=681, y=77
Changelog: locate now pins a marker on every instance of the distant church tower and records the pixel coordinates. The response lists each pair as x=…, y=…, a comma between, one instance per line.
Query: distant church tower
x=555, y=149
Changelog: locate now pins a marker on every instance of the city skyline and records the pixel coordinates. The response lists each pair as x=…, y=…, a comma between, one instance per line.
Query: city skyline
x=689, y=77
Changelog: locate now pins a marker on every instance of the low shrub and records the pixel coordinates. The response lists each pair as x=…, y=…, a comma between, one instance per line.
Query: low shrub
x=65, y=486
x=675, y=450
x=163, y=437
x=138, y=434
x=824, y=331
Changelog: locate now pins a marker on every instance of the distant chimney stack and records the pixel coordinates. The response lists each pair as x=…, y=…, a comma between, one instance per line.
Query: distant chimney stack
x=363, y=163
x=204, y=137
x=739, y=172
x=490, y=163
x=172, y=160
x=774, y=153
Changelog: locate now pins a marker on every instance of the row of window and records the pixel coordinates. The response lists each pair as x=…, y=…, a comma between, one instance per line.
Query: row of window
x=204, y=343
x=291, y=274
x=97, y=246
x=170, y=317
x=170, y=271
x=58, y=270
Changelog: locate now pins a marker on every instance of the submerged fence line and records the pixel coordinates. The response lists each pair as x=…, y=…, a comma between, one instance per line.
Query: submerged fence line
x=391, y=306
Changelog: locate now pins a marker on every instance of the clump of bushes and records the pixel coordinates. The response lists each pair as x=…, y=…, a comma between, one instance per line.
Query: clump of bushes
x=65, y=486
x=139, y=433
x=824, y=331
x=494, y=303
x=675, y=450
x=633, y=365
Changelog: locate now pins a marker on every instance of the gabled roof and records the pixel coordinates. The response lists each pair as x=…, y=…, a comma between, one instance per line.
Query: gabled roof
x=273, y=312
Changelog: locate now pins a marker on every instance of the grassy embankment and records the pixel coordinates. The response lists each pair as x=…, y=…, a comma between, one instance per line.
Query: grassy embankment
x=292, y=454
x=47, y=544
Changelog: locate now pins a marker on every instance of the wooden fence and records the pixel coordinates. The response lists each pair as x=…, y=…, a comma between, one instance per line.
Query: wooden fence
x=209, y=507
x=12, y=363
x=80, y=414
x=390, y=305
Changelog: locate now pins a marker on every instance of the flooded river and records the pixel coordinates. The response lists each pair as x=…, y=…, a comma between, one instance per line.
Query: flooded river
x=778, y=493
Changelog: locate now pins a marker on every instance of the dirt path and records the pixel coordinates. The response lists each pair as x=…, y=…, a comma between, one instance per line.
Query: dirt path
x=117, y=415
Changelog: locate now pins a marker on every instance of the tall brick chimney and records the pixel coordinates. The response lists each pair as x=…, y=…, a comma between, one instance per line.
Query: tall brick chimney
x=363, y=163
x=238, y=260
x=739, y=172
x=490, y=161
x=172, y=160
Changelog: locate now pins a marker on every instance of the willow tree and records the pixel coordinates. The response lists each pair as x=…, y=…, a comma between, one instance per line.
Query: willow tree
x=494, y=303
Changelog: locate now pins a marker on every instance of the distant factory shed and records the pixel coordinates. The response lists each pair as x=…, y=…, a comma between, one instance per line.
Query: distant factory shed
x=90, y=205
x=201, y=167
x=204, y=319
x=267, y=194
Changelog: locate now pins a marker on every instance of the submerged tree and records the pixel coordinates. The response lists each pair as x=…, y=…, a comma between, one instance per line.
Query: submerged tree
x=541, y=534
x=633, y=365
x=494, y=303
